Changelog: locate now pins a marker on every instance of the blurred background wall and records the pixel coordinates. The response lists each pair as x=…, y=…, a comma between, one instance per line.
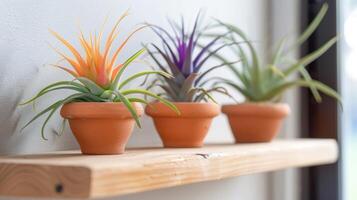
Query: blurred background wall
x=25, y=54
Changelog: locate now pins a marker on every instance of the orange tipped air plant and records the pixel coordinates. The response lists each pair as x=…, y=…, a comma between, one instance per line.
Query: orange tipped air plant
x=96, y=64
x=98, y=75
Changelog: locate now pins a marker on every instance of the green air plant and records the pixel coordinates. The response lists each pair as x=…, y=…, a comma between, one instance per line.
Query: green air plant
x=183, y=58
x=267, y=84
x=97, y=75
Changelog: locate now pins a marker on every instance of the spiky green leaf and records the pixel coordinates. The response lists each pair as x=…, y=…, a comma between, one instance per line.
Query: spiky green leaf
x=145, y=92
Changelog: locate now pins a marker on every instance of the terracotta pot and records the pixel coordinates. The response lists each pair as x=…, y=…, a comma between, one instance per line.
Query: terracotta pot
x=100, y=128
x=187, y=129
x=255, y=122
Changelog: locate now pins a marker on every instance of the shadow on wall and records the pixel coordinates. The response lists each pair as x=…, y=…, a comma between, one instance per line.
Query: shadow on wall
x=12, y=87
x=199, y=191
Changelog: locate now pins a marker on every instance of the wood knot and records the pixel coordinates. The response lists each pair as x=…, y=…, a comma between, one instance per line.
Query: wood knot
x=59, y=188
x=204, y=155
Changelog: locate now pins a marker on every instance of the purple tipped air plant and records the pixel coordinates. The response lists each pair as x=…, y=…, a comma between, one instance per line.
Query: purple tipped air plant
x=183, y=56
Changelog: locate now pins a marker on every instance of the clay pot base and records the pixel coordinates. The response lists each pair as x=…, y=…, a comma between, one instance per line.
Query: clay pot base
x=251, y=123
x=251, y=130
x=182, y=132
x=100, y=128
x=187, y=130
x=102, y=136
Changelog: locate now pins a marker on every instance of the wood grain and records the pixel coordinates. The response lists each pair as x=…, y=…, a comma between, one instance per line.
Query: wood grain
x=69, y=174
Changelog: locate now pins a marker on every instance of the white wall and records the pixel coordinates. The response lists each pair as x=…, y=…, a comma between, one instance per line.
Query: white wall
x=284, y=22
x=24, y=53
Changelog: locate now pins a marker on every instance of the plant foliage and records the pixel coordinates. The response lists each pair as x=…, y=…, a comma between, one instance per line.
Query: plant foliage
x=181, y=56
x=261, y=84
x=97, y=76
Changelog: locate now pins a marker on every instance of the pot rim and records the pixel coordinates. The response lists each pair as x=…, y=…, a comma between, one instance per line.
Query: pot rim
x=92, y=110
x=187, y=110
x=187, y=103
x=257, y=104
x=265, y=109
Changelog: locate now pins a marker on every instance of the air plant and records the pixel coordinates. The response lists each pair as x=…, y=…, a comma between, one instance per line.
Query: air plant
x=259, y=84
x=183, y=58
x=97, y=75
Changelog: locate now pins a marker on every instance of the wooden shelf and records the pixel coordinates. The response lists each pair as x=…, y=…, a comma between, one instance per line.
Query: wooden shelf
x=71, y=175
